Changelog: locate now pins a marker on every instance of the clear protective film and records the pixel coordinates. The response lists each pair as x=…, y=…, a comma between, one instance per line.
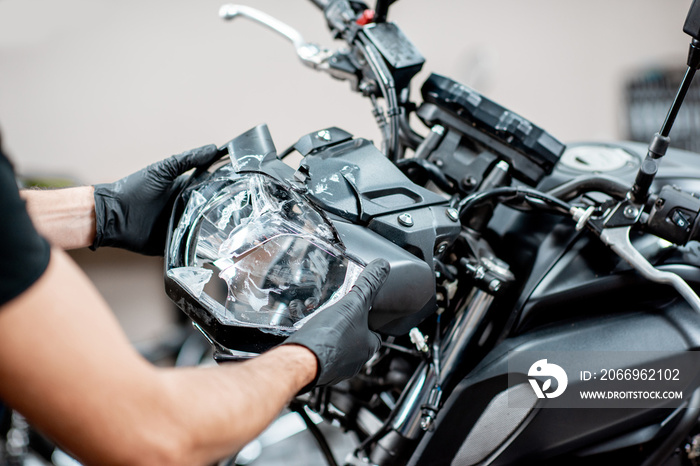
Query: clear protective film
x=278, y=259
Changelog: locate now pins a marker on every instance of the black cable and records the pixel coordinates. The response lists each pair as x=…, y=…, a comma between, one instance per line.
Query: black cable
x=318, y=435
x=321, y=4
x=410, y=137
x=443, y=270
x=604, y=184
x=508, y=194
x=374, y=437
x=381, y=10
x=386, y=426
x=386, y=83
x=401, y=349
x=286, y=152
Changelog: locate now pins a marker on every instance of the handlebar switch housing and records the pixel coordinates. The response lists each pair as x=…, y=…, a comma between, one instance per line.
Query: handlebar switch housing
x=674, y=216
x=399, y=53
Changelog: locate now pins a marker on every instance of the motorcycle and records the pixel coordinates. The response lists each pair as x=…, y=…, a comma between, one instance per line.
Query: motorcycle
x=541, y=304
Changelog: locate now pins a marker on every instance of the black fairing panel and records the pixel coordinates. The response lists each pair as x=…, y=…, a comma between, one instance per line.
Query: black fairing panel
x=548, y=433
x=356, y=182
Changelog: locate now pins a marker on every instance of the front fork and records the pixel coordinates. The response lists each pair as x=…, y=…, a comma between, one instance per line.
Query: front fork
x=420, y=401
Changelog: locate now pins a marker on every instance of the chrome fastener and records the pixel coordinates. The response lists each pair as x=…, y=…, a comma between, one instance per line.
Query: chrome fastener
x=452, y=214
x=405, y=220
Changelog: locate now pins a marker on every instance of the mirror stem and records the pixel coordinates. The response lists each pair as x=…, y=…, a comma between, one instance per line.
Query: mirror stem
x=661, y=140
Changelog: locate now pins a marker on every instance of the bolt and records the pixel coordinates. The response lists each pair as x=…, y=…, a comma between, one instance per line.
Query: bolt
x=367, y=88
x=441, y=248
x=324, y=134
x=494, y=285
x=426, y=422
x=469, y=182
x=452, y=214
x=406, y=220
x=630, y=212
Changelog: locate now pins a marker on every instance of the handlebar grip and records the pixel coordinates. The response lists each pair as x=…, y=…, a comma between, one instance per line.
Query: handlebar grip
x=675, y=216
x=321, y=4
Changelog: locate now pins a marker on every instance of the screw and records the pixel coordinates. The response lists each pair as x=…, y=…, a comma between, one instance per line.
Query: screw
x=630, y=212
x=406, y=220
x=452, y=214
x=324, y=134
x=469, y=182
x=426, y=422
x=494, y=285
x=441, y=248
x=367, y=88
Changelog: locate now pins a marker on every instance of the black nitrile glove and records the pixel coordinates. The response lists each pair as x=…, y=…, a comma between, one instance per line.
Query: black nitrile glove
x=340, y=336
x=133, y=213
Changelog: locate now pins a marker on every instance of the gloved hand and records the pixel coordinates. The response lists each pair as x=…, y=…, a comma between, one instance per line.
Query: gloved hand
x=340, y=336
x=133, y=213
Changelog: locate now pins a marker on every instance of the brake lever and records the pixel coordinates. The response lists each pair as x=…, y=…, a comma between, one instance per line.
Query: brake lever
x=311, y=55
x=618, y=239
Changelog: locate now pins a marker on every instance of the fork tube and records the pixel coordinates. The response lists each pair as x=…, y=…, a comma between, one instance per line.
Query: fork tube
x=407, y=420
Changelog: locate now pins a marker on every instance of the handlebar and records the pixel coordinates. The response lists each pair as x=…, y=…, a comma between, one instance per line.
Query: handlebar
x=370, y=65
x=321, y=4
x=231, y=11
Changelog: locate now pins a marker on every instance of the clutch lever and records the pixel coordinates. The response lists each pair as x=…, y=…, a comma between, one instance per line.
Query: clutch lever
x=671, y=216
x=311, y=55
x=618, y=239
x=613, y=228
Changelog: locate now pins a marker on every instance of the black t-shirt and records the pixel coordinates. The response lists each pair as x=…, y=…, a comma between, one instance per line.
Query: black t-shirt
x=24, y=255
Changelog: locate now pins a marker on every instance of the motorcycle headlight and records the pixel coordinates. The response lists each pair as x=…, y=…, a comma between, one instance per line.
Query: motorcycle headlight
x=250, y=253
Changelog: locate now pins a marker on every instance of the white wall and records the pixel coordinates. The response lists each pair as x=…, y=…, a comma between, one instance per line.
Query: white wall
x=96, y=89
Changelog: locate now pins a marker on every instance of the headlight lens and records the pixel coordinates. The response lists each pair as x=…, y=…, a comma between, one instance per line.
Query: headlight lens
x=278, y=259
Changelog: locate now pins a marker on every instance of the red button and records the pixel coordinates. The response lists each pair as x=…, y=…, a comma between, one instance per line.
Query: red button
x=366, y=17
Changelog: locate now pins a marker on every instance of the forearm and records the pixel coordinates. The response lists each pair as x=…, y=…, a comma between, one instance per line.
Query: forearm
x=65, y=217
x=66, y=365
x=231, y=404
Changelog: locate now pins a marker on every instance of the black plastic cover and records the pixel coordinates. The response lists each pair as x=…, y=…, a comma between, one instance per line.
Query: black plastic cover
x=402, y=57
x=692, y=21
x=254, y=151
x=394, y=312
x=320, y=139
x=547, y=433
x=355, y=181
x=528, y=148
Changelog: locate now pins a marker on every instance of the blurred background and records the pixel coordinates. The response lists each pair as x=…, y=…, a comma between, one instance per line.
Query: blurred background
x=92, y=90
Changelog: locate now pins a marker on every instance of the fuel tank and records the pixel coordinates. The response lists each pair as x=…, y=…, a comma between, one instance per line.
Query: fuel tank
x=575, y=296
x=478, y=425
